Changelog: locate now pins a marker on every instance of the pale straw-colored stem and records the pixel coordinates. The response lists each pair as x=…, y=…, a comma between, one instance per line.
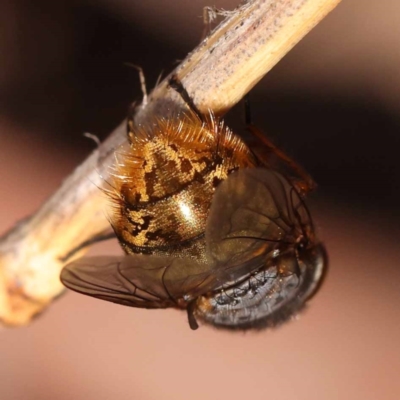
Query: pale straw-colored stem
x=217, y=74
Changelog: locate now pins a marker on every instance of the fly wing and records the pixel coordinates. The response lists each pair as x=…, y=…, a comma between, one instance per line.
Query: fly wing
x=137, y=280
x=253, y=213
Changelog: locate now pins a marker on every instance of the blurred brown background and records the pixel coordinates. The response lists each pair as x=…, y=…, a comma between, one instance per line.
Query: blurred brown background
x=333, y=103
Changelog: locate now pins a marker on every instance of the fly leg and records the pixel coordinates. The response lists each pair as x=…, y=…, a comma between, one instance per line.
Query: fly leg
x=271, y=156
x=177, y=85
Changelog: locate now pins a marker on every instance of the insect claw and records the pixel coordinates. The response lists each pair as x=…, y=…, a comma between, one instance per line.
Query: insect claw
x=191, y=318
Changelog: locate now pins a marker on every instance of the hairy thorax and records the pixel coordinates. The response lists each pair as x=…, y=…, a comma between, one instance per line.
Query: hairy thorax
x=163, y=183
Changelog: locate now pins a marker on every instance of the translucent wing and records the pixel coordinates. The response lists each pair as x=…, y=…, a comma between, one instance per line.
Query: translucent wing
x=254, y=212
x=256, y=223
x=137, y=280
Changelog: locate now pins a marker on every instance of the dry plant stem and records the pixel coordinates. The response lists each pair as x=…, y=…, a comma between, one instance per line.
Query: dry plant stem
x=217, y=74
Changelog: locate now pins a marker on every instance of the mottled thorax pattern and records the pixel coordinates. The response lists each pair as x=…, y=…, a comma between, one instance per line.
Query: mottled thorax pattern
x=163, y=184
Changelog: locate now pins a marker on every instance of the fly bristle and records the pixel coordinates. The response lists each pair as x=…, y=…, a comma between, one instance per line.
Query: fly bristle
x=164, y=156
